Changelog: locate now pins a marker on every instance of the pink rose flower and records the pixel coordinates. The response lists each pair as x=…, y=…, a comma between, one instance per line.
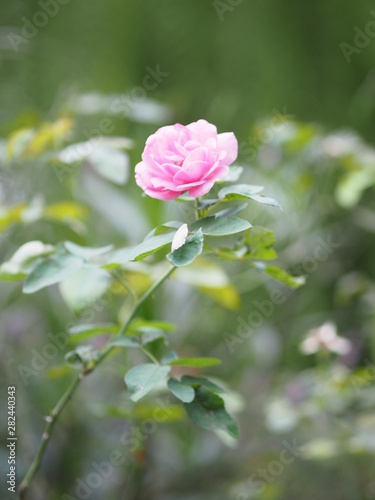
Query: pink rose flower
x=179, y=159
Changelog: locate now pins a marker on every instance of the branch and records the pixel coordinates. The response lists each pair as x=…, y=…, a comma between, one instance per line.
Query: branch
x=52, y=418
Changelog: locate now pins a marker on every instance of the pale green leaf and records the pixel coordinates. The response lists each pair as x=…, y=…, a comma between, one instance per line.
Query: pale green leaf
x=184, y=393
x=110, y=163
x=164, y=228
x=24, y=260
x=188, y=251
x=220, y=226
x=239, y=191
x=281, y=275
x=140, y=325
x=81, y=356
x=84, y=287
x=85, y=252
x=125, y=341
x=168, y=357
x=144, y=249
x=52, y=269
x=83, y=332
x=232, y=210
x=141, y=379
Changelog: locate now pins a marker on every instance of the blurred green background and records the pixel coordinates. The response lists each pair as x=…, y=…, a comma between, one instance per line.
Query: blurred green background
x=275, y=74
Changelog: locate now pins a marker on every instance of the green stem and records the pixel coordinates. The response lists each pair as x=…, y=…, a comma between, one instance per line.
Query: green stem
x=151, y=356
x=52, y=418
x=108, y=348
x=197, y=211
x=124, y=283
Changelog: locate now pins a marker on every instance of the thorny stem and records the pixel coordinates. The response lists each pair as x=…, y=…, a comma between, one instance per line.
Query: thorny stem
x=51, y=419
x=54, y=415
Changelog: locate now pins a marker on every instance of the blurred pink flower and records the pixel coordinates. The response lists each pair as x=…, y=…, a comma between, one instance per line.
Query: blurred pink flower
x=179, y=159
x=325, y=338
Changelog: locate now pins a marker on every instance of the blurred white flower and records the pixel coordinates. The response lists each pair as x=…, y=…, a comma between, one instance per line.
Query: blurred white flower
x=281, y=416
x=340, y=144
x=325, y=338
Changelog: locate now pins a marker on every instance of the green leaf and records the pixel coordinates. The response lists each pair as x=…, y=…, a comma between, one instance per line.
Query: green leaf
x=68, y=212
x=220, y=226
x=352, y=185
x=141, y=379
x=24, y=260
x=19, y=141
x=84, y=287
x=240, y=191
x=168, y=357
x=281, y=275
x=140, y=325
x=151, y=245
x=266, y=200
x=259, y=241
x=85, y=252
x=188, y=251
x=81, y=356
x=208, y=411
x=12, y=215
x=29, y=143
x=52, y=270
x=229, y=254
x=195, y=362
x=125, y=341
x=153, y=334
x=233, y=210
x=147, y=333
x=164, y=228
x=207, y=203
x=110, y=163
x=199, y=381
x=227, y=295
x=183, y=392
x=141, y=251
x=83, y=332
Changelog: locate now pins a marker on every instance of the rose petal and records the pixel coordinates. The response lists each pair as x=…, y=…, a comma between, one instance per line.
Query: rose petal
x=228, y=144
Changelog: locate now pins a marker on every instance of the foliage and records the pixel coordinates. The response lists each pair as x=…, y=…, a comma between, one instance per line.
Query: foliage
x=227, y=235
